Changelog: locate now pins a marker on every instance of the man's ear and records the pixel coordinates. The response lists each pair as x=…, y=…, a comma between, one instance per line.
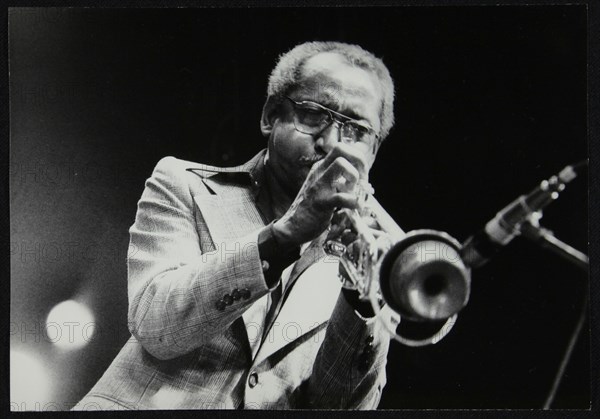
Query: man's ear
x=270, y=113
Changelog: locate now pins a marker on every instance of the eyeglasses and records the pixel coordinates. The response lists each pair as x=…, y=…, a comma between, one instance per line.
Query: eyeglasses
x=312, y=118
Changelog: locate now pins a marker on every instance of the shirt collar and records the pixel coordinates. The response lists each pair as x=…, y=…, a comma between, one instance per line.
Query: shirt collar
x=256, y=171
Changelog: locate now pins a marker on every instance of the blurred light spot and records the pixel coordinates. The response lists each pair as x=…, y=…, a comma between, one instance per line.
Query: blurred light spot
x=70, y=325
x=29, y=382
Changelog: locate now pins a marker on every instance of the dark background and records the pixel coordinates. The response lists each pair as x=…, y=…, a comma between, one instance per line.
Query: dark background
x=490, y=101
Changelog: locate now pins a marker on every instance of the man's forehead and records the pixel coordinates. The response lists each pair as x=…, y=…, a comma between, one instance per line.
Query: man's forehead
x=325, y=90
x=327, y=78
x=328, y=74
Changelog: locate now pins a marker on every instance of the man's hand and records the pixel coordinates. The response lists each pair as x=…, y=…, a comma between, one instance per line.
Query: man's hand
x=330, y=184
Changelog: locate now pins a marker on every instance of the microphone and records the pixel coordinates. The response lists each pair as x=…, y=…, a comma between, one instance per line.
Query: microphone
x=501, y=229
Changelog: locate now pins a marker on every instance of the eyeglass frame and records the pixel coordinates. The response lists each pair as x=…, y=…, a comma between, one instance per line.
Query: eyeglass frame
x=335, y=117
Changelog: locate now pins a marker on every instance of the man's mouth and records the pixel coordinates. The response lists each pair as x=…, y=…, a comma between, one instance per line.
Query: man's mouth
x=310, y=160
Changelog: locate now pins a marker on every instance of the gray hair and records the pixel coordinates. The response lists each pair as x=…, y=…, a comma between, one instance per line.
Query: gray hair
x=288, y=72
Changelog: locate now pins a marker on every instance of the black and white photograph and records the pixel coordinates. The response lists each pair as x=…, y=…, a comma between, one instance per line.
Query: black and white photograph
x=282, y=208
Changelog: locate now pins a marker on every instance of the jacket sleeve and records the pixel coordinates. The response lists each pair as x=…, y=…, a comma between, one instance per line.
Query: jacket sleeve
x=176, y=292
x=349, y=370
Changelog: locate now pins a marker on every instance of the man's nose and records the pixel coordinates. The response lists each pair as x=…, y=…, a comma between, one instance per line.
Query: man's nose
x=328, y=138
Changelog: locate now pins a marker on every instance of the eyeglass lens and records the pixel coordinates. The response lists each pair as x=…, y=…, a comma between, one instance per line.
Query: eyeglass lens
x=312, y=120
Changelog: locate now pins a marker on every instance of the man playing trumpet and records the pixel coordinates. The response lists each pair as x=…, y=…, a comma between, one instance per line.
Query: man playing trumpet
x=232, y=301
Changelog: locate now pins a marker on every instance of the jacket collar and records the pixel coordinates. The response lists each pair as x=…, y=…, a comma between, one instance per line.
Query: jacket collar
x=253, y=170
x=251, y=173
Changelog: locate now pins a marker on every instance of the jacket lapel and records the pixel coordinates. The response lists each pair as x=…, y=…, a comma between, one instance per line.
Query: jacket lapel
x=230, y=210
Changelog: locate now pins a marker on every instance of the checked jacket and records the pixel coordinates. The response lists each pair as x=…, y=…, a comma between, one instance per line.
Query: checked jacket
x=197, y=295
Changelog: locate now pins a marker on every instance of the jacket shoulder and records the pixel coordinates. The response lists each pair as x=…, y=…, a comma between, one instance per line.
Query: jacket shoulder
x=172, y=164
x=180, y=175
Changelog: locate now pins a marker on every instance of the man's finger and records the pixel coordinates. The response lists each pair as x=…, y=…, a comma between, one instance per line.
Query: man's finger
x=341, y=176
x=342, y=200
x=352, y=154
x=372, y=222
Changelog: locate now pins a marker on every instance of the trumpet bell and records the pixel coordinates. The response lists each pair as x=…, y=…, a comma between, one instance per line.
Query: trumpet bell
x=423, y=277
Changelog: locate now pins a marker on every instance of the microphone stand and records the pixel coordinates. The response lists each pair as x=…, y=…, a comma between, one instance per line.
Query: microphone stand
x=546, y=239
x=532, y=230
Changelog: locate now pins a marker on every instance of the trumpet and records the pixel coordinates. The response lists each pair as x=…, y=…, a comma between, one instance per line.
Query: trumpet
x=425, y=275
x=420, y=275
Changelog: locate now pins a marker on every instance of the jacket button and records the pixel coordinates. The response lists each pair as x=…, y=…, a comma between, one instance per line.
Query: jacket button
x=228, y=299
x=245, y=293
x=221, y=305
x=369, y=339
x=253, y=380
x=236, y=294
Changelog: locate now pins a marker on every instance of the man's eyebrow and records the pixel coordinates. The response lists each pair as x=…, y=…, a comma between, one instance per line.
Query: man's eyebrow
x=330, y=102
x=346, y=111
x=352, y=114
